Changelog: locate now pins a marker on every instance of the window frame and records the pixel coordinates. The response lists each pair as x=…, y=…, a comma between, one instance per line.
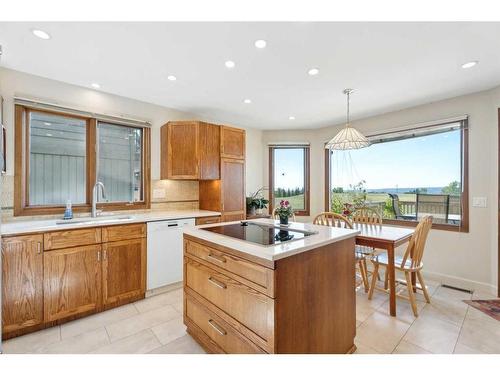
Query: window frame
x=21, y=167
x=307, y=173
x=464, y=198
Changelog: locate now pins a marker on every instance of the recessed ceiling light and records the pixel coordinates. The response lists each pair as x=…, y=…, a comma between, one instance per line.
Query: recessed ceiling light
x=247, y=101
x=313, y=71
x=469, y=64
x=229, y=64
x=261, y=43
x=48, y=135
x=172, y=78
x=47, y=123
x=95, y=85
x=291, y=118
x=41, y=34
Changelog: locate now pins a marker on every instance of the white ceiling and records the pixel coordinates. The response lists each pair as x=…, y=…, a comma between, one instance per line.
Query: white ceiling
x=390, y=65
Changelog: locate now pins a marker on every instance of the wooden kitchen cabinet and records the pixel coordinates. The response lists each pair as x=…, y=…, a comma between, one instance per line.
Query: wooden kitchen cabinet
x=72, y=281
x=226, y=195
x=232, y=142
x=22, y=282
x=123, y=270
x=190, y=150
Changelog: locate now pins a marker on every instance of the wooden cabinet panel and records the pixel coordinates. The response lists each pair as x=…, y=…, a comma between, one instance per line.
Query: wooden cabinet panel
x=207, y=220
x=251, y=308
x=232, y=142
x=181, y=157
x=233, y=186
x=72, y=281
x=69, y=238
x=209, y=151
x=255, y=273
x=220, y=332
x=124, y=270
x=123, y=232
x=22, y=282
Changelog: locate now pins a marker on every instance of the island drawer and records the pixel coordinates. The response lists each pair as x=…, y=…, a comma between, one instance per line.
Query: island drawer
x=255, y=273
x=123, y=232
x=71, y=238
x=228, y=339
x=249, y=307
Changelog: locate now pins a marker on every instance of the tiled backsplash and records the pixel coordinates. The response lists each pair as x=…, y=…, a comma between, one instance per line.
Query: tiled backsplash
x=165, y=195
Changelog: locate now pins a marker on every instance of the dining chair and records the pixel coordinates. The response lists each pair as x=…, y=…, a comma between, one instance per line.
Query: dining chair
x=332, y=219
x=368, y=216
x=410, y=263
x=277, y=217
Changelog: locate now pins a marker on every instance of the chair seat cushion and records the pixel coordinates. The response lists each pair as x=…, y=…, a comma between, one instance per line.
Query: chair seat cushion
x=382, y=259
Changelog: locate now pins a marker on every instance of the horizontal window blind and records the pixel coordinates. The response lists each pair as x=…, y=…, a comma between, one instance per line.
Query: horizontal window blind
x=36, y=104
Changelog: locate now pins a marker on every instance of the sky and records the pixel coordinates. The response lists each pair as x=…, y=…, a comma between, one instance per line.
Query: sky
x=429, y=161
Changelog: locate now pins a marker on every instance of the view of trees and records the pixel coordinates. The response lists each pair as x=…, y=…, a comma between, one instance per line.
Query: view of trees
x=285, y=193
x=453, y=188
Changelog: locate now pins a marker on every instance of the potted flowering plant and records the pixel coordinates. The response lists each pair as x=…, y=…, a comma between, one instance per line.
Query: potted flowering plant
x=284, y=211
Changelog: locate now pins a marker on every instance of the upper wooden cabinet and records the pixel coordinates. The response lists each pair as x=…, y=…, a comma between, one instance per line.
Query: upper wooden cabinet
x=22, y=282
x=190, y=150
x=232, y=143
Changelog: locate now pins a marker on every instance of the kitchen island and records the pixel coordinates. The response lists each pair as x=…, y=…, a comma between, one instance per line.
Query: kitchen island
x=257, y=288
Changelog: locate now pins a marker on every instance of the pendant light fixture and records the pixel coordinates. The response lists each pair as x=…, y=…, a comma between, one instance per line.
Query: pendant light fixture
x=348, y=138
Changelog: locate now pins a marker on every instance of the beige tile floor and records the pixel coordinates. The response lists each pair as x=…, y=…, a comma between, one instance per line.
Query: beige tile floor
x=154, y=325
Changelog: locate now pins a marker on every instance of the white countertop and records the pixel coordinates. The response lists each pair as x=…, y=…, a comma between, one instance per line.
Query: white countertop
x=325, y=235
x=19, y=226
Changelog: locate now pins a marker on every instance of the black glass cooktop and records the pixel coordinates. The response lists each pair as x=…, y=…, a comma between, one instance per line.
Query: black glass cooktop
x=259, y=233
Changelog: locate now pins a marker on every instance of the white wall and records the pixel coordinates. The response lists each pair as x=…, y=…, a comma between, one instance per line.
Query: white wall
x=460, y=259
x=14, y=83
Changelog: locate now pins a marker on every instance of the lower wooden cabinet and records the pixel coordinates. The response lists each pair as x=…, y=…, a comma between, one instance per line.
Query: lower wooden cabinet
x=124, y=270
x=41, y=287
x=72, y=281
x=22, y=282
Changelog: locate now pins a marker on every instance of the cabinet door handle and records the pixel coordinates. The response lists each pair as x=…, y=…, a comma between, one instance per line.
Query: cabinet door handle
x=39, y=247
x=217, y=283
x=104, y=255
x=98, y=255
x=216, y=327
x=217, y=258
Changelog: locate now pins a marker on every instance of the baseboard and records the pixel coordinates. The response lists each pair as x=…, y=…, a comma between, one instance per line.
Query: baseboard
x=460, y=282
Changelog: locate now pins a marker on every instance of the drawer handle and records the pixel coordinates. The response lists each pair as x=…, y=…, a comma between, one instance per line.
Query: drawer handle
x=217, y=258
x=217, y=283
x=39, y=247
x=210, y=221
x=217, y=328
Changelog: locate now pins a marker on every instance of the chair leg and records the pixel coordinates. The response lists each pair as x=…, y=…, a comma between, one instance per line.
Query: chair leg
x=386, y=279
x=364, y=277
x=411, y=294
x=365, y=280
x=424, y=288
x=374, y=280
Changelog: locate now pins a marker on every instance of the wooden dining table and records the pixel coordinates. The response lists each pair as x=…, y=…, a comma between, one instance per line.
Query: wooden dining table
x=387, y=238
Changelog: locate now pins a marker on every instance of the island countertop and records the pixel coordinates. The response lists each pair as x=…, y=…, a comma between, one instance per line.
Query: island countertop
x=323, y=235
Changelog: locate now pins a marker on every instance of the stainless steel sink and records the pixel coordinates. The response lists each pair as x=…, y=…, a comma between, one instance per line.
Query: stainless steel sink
x=96, y=220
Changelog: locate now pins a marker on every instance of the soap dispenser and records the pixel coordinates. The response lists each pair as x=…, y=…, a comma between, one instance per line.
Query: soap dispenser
x=68, y=213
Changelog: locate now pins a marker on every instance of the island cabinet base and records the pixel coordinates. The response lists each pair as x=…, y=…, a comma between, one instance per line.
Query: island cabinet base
x=304, y=303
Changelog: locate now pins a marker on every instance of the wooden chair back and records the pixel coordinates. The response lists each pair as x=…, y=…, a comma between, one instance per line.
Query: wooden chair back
x=277, y=217
x=366, y=215
x=332, y=219
x=415, y=250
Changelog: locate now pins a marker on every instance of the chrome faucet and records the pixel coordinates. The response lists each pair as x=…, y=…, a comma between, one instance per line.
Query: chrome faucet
x=95, y=196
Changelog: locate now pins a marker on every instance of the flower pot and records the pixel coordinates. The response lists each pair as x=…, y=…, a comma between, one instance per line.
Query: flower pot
x=283, y=220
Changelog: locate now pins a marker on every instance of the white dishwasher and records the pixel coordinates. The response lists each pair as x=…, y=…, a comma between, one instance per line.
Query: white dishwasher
x=165, y=252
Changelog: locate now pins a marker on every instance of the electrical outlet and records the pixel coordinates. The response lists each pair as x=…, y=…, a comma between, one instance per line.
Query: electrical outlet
x=479, y=202
x=159, y=193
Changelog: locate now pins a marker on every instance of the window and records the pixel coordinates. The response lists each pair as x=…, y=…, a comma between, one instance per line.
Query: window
x=120, y=162
x=405, y=175
x=289, y=177
x=60, y=156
